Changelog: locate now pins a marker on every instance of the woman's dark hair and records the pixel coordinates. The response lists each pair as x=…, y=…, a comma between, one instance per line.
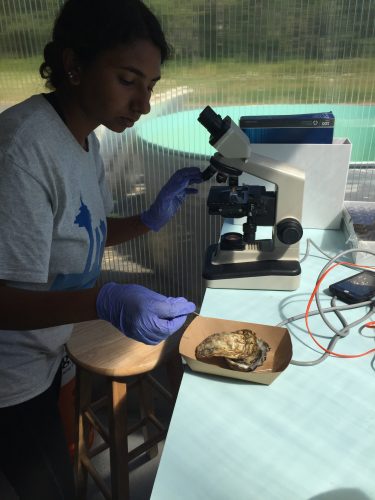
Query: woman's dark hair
x=91, y=26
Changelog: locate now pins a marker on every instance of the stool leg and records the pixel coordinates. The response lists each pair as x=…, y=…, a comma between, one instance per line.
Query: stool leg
x=82, y=400
x=175, y=371
x=147, y=409
x=118, y=440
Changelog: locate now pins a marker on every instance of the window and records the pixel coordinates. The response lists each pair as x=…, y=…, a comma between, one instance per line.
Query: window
x=267, y=56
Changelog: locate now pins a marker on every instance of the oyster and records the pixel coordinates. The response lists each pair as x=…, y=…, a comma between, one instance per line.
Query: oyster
x=242, y=350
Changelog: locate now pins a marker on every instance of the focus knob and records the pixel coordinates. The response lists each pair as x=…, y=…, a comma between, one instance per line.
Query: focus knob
x=289, y=231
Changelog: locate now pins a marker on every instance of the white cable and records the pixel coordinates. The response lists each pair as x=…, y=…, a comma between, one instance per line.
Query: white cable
x=336, y=309
x=307, y=253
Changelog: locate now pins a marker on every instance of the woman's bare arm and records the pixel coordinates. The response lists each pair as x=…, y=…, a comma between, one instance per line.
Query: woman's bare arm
x=29, y=310
x=121, y=229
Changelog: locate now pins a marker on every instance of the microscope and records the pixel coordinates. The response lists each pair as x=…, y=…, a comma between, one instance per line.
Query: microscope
x=239, y=260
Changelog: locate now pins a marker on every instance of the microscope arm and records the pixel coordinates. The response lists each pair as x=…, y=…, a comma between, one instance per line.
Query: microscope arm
x=289, y=182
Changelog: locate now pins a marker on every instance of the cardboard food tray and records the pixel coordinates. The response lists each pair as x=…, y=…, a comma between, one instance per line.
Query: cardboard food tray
x=277, y=338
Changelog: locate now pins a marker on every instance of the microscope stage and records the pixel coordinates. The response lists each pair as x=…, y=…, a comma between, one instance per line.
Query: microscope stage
x=257, y=275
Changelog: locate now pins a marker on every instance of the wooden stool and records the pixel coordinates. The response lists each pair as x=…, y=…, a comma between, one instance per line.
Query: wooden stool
x=96, y=347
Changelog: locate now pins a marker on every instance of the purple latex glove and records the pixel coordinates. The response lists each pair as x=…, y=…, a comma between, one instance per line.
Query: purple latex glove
x=140, y=313
x=171, y=196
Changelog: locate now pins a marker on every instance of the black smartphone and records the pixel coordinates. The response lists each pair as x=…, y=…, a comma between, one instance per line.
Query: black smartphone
x=357, y=288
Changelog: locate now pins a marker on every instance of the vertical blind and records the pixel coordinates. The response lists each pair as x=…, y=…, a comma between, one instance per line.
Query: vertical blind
x=225, y=53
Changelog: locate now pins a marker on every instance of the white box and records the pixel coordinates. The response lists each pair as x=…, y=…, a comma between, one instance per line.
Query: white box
x=326, y=169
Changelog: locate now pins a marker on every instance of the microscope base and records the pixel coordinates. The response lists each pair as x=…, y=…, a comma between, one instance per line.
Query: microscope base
x=256, y=275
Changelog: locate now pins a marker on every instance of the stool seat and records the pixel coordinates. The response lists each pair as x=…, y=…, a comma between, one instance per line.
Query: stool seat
x=98, y=348
x=101, y=348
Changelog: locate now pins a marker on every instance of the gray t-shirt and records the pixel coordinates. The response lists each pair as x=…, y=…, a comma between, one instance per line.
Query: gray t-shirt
x=53, y=206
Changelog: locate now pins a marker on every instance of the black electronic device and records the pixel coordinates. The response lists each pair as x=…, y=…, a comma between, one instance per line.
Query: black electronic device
x=357, y=288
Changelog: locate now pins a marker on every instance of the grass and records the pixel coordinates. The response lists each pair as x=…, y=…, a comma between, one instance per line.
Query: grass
x=293, y=81
x=231, y=81
x=19, y=78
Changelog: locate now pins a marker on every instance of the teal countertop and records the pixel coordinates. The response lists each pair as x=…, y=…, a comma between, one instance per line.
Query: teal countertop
x=307, y=436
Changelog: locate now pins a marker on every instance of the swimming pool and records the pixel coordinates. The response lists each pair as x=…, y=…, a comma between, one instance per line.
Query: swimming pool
x=182, y=132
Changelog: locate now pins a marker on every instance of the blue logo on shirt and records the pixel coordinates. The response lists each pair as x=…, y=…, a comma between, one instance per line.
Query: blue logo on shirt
x=87, y=278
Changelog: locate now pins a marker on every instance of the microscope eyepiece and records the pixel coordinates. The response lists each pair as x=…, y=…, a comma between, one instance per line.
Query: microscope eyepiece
x=213, y=122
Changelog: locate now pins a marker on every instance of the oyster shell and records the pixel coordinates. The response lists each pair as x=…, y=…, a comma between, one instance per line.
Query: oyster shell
x=242, y=350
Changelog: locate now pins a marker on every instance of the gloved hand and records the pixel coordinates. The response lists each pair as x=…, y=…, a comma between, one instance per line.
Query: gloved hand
x=140, y=313
x=170, y=198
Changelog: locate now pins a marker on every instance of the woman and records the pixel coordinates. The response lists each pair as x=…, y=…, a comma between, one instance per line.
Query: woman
x=102, y=65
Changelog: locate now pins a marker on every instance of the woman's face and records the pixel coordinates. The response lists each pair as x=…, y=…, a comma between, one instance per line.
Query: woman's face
x=116, y=89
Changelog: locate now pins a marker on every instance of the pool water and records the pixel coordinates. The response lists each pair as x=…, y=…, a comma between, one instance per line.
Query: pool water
x=182, y=132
